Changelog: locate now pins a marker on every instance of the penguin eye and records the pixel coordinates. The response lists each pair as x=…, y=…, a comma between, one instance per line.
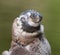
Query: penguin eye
x=23, y=19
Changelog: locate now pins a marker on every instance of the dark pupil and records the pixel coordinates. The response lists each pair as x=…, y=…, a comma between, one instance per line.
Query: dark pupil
x=22, y=19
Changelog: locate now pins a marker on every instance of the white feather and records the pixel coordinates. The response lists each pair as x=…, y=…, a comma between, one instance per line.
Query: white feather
x=41, y=28
x=33, y=24
x=28, y=47
x=6, y=53
x=29, y=14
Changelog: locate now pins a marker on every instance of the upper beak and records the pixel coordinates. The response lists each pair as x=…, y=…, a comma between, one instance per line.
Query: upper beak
x=37, y=20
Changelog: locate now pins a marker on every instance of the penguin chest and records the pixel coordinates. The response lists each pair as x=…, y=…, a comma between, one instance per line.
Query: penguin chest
x=39, y=47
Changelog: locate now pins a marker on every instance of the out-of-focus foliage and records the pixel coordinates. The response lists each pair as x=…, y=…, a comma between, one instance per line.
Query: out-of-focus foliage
x=50, y=9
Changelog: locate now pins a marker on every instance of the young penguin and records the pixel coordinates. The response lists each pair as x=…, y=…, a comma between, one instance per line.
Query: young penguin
x=28, y=33
x=27, y=27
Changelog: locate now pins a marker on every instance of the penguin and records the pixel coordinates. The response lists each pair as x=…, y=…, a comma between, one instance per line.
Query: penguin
x=28, y=36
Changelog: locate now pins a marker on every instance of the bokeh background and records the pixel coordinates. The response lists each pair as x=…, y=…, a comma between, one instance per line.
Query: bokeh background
x=50, y=9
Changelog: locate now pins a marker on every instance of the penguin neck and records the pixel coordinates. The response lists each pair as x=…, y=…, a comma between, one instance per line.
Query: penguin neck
x=30, y=29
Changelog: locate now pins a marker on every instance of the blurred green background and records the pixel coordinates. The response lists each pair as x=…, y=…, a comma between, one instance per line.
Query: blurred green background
x=50, y=9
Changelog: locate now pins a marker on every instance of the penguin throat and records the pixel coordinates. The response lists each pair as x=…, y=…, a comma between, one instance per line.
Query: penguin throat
x=30, y=29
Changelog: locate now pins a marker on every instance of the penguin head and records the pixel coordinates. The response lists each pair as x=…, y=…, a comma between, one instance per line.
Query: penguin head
x=30, y=20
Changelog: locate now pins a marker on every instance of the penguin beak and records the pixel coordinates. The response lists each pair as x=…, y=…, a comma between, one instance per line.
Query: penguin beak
x=35, y=20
